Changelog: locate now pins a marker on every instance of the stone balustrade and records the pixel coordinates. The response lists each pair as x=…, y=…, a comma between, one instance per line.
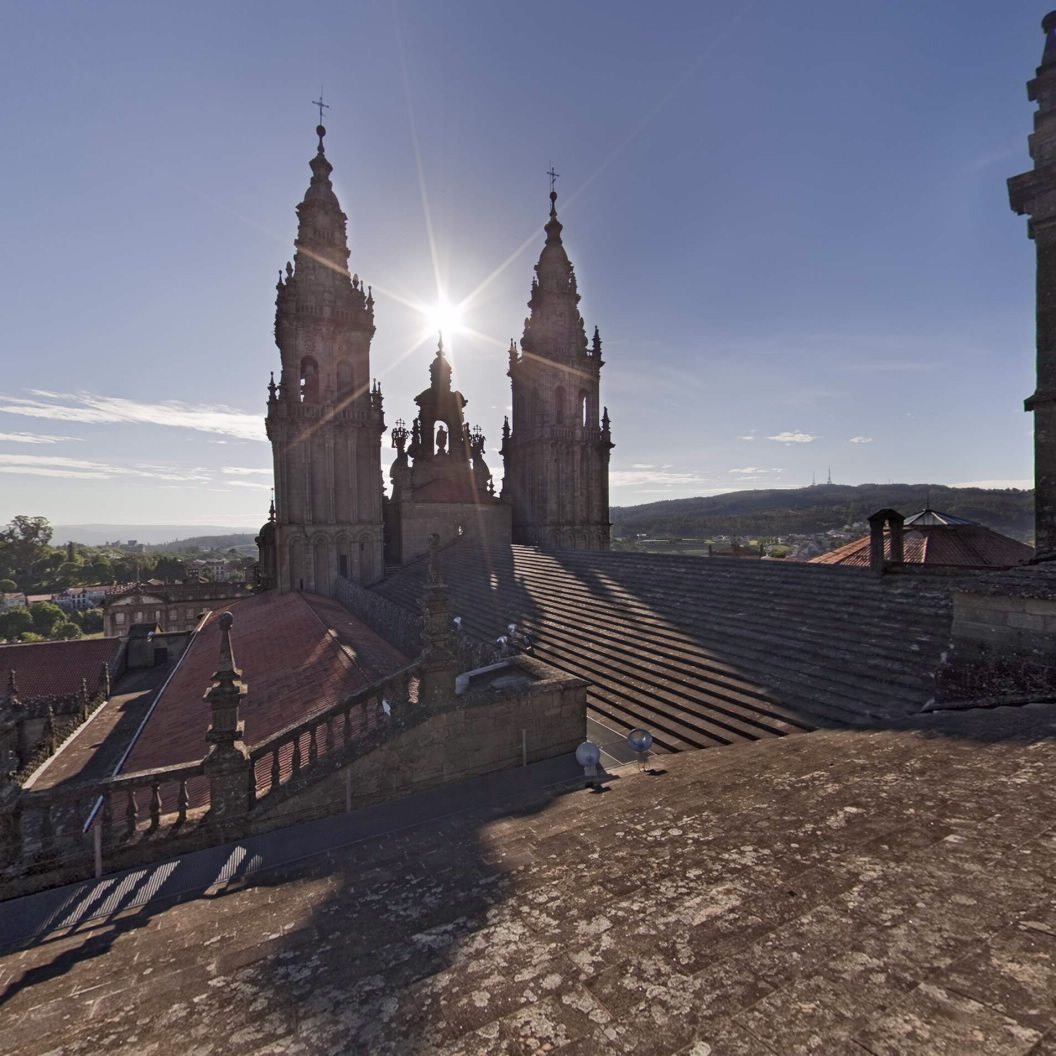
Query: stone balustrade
x=342, y=732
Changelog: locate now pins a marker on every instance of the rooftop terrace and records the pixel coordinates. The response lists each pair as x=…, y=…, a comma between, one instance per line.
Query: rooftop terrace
x=849, y=893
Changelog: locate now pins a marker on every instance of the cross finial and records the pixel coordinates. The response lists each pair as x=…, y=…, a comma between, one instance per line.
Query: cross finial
x=322, y=106
x=553, y=176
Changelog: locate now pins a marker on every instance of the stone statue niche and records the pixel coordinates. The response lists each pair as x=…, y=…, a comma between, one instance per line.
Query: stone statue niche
x=445, y=461
x=440, y=482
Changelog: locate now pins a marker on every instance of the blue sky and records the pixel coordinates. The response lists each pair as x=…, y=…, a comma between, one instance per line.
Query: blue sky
x=789, y=221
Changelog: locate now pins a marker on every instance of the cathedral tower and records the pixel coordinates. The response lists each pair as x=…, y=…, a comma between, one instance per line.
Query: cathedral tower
x=556, y=454
x=1034, y=193
x=324, y=420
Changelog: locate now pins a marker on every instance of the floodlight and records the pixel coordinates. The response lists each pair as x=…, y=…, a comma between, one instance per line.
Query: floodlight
x=587, y=755
x=639, y=740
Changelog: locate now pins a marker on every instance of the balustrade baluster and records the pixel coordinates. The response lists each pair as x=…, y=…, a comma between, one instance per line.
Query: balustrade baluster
x=155, y=806
x=330, y=735
x=183, y=801
x=296, y=756
x=276, y=771
x=131, y=812
x=313, y=746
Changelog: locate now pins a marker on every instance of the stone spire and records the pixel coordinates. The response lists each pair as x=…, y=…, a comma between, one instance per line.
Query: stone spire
x=1034, y=193
x=556, y=452
x=324, y=420
x=226, y=693
x=554, y=329
x=227, y=763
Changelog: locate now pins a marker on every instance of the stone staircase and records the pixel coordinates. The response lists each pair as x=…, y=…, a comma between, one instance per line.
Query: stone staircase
x=707, y=651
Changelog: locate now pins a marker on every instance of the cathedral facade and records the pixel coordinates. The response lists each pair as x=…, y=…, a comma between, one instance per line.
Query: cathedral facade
x=330, y=518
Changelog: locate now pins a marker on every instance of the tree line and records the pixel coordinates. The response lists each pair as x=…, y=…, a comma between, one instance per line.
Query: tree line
x=31, y=565
x=813, y=510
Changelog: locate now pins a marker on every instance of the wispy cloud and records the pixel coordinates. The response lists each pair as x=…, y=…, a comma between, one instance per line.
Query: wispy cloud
x=793, y=438
x=85, y=469
x=860, y=440
x=33, y=438
x=746, y=437
x=247, y=484
x=747, y=469
x=242, y=471
x=624, y=478
x=96, y=410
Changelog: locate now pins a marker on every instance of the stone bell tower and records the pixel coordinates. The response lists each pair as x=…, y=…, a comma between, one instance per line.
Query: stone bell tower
x=1034, y=193
x=324, y=420
x=556, y=453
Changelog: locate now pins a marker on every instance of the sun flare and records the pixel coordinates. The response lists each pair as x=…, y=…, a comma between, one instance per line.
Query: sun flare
x=444, y=318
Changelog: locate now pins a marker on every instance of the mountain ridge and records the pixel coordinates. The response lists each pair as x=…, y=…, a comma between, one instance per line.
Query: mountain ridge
x=822, y=507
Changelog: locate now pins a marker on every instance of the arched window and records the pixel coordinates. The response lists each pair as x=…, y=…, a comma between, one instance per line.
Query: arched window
x=583, y=407
x=309, y=380
x=559, y=405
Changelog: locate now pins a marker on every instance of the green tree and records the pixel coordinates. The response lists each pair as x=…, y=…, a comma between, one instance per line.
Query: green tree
x=89, y=620
x=29, y=636
x=24, y=547
x=66, y=629
x=46, y=616
x=14, y=622
x=170, y=569
x=8, y=586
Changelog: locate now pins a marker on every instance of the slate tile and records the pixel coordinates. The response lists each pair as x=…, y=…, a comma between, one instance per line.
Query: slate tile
x=1014, y=973
x=933, y=1022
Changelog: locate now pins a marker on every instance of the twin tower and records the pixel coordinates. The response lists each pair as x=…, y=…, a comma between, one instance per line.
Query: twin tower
x=330, y=518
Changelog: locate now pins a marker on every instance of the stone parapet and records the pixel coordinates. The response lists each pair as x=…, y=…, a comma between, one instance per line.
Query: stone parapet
x=1003, y=648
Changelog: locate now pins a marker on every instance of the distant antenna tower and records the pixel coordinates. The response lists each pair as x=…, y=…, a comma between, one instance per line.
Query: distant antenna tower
x=813, y=480
x=829, y=481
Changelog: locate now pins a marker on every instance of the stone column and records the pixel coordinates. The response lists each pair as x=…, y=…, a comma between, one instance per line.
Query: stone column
x=227, y=764
x=10, y=818
x=439, y=666
x=878, y=559
x=1034, y=193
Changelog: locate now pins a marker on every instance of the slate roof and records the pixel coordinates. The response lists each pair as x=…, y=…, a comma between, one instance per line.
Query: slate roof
x=56, y=668
x=933, y=538
x=706, y=651
x=299, y=653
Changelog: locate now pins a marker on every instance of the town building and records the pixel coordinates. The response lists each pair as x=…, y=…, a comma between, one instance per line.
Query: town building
x=936, y=540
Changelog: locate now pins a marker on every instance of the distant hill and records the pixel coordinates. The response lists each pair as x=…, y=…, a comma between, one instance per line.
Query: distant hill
x=97, y=534
x=821, y=507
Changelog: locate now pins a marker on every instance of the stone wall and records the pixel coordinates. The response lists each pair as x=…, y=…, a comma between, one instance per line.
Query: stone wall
x=479, y=734
x=1003, y=647
x=412, y=523
x=395, y=624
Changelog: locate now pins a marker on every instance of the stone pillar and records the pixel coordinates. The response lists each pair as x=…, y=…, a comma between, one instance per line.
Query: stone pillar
x=896, y=521
x=10, y=818
x=439, y=666
x=227, y=764
x=880, y=520
x=1034, y=193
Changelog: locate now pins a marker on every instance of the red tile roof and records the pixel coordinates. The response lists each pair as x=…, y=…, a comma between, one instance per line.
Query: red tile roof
x=298, y=653
x=962, y=544
x=52, y=668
